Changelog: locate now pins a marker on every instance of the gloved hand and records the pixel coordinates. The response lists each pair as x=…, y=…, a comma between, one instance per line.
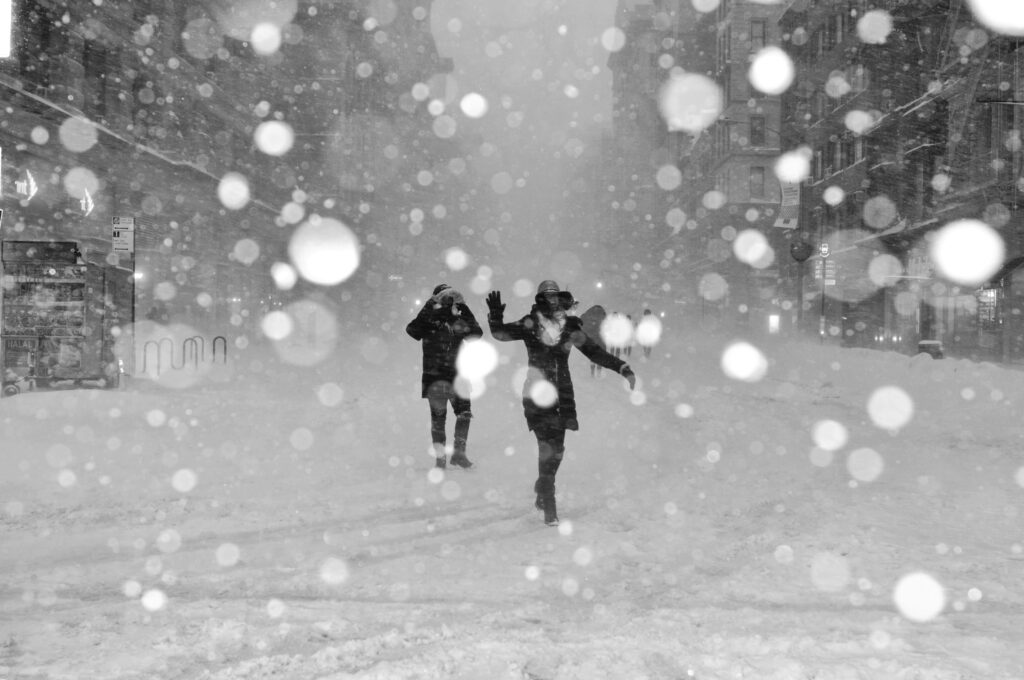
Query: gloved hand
x=494, y=305
x=627, y=373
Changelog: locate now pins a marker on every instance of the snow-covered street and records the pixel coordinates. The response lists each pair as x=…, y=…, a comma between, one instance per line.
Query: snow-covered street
x=276, y=521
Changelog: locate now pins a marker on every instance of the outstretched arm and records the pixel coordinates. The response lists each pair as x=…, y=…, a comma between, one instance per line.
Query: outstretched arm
x=602, y=357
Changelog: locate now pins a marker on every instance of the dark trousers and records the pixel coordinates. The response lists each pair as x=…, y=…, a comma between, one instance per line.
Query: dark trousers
x=439, y=396
x=550, y=449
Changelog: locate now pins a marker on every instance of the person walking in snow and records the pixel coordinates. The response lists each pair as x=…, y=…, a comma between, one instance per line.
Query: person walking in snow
x=549, y=333
x=441, y=325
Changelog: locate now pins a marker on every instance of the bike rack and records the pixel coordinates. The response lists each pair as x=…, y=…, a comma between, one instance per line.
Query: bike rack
x=192, y=348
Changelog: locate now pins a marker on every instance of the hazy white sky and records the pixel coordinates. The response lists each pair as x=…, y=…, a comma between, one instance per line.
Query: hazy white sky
x=539, y=63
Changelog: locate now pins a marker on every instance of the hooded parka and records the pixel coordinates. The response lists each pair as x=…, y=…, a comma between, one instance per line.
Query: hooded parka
x=441, y=333
x=547, y=348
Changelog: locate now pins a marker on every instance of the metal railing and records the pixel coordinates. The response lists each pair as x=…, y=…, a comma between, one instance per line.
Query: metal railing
x=193, y=349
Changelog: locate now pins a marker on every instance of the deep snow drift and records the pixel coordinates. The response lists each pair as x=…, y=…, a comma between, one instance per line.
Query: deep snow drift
x=847, y=514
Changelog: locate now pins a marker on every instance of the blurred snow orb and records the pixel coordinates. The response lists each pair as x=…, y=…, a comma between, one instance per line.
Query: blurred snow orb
x=668, y=177
x=154, y=600
x=233, y=191
x=648, y=330
x=830, y=435
x=184, y=480
x=274, y=137
x=833, y=195
x=314, y=334
x=616, y=330
x=967, y=251
x=284, y=275
x=227, y=554
x=301, y=439
x=265, y=38
x=794, y=166
x=830, y=572
x=80, y=180
x=474, y=105
x=772, y=71
x=39, y=135
x=879, y=212
x=292, y=212
x=690, y=102
x=713, y=200
x=330, y=394
x=684, y=411
x=168, y=541
x=752, y=247
x=276, y=608
x=543, y=394
x=246, y=251
x=165, y=290
x=522, y=288
x=1000, y=16
x=874, y=27
x=476, y=360
x=743, y=361
x=276, y=325
x=456, y=259
x=885, y=270
x=865, y=464
x=858, y=122
x=77, y=134
x=201, y=38
x=919, y=597
x=713, y=286
x=784, y=554
x=613, y=39
x=890, y=408
x=1019, y=477
x=334, y=571
x=324, y=251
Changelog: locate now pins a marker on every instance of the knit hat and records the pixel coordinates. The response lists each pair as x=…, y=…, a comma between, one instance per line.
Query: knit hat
x=547, y=286
x=440, y=287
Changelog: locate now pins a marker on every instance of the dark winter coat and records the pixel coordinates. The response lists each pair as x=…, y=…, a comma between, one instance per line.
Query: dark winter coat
x=550, y=362
x=441, y=334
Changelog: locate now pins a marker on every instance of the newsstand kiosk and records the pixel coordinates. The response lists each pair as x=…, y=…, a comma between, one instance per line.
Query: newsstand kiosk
x=58, y=314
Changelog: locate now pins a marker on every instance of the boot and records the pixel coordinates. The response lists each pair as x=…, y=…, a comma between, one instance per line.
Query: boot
x=459, y=459
x=546, y=496
x=539, y=503
x=461, y=433
x=441, y=462
x=440, y=459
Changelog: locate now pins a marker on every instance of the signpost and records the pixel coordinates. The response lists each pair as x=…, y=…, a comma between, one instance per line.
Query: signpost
x=122, y=238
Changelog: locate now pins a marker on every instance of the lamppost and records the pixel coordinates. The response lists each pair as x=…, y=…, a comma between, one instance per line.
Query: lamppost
x=800, y=251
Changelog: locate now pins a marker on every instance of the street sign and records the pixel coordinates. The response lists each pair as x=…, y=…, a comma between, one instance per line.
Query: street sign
x=823, y=249
x=122, y=235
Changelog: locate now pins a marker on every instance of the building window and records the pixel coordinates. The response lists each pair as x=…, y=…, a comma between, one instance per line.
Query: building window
x=36, y=43
x=757, y=34
x=757, y=136
x=95, y=67
x=756, y=182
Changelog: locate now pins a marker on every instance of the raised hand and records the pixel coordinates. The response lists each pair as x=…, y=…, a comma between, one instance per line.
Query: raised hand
x=627, y=373
x=494, y=304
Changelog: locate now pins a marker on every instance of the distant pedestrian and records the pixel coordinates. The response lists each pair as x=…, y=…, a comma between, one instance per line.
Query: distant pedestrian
x=617, y=332
x=441, y=325
x=648, y=332
x=549, y=403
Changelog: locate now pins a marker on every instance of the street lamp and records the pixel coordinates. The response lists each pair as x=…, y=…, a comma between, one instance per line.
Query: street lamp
x=800, y=251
